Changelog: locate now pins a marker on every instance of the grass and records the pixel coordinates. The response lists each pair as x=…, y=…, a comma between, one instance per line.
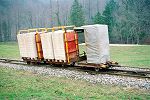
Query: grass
x=9, y=50
x=24, y=85
x=135, y=56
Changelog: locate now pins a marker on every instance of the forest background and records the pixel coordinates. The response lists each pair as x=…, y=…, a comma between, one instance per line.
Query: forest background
x=128, y=20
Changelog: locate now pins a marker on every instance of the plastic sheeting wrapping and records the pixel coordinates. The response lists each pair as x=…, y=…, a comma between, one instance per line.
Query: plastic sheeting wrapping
x=47, y=46
x=22, y=45
x=58, y=45
x=31, y=45
x=27, y=45
x=97, y=43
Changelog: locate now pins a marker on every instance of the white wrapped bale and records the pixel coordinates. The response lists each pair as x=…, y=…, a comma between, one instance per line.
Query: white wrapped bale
x=97, y=43
x=58, y=45
x=27, y=45
x=22, y=45
x=31, y=45
x=47, y=46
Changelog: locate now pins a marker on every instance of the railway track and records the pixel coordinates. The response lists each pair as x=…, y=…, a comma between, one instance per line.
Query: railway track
x=12, y=61
x=141, y=74
x=119, y=72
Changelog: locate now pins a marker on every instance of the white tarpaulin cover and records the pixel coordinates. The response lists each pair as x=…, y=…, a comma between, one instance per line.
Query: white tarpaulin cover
x=47, y=46
x=27, y=45
x=58, y=45
x=97, y=43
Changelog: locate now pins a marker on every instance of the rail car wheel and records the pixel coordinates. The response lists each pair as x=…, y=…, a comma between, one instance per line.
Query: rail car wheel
x=97, y=69
x=38, y=63
x=52, y=65
x=28, y=62
x=64, y=65
x=33, y=63
x=45, y=62
x=72, y=64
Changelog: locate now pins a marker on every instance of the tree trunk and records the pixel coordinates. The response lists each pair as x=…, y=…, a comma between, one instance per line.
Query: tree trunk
x=51, y=13
x=89, y=8
x=57, y=14
x=137, y=39
x=0, y=30
x=97, y=6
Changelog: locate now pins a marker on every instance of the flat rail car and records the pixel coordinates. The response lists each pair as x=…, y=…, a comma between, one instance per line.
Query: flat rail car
x=60, y=45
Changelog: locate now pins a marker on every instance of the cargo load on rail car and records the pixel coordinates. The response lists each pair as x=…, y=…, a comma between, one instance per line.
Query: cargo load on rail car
x=59, y=45
x=97, y=43
x=52, y=45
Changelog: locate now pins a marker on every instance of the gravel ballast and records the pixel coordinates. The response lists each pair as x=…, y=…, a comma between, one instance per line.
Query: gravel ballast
x=142, y=83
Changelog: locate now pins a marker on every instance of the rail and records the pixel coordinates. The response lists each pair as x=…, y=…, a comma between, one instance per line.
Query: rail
x=119, y=72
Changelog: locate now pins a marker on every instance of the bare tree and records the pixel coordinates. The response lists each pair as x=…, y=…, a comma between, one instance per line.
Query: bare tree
x=57, y=14
x=89, y=10
x=51, y=13
x=24, y=14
